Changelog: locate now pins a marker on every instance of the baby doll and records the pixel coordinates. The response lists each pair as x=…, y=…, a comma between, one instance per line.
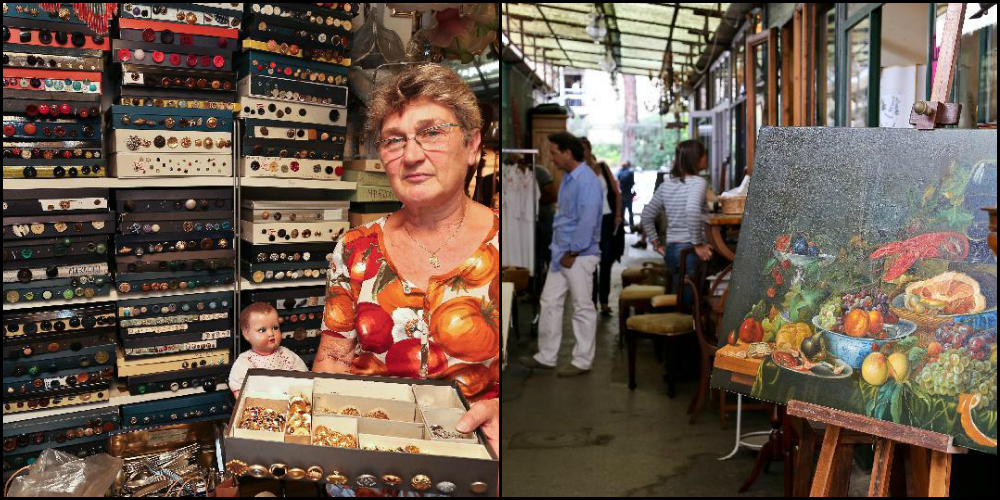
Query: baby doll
x=260, y=327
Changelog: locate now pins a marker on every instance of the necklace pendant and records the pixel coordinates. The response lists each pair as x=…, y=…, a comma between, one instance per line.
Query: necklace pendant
x=435, y=263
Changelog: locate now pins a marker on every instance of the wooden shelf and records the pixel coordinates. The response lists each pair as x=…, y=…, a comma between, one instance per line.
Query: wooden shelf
x=173, y=293
x=74, y=302
x=113, y=183
x=119, y=396
x=268, y=182
x=277, y=285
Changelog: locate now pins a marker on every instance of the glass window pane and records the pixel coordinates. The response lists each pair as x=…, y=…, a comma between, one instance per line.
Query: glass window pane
x=827, y=67
x=858, y=59
x=760, y=85
x=741, y=69
x=993, y=78
x=854, y=8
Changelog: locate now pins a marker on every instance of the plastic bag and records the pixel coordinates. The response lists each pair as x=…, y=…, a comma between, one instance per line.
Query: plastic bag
x=58, y=474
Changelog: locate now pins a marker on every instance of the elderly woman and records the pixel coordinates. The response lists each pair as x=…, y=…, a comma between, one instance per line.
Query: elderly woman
x=416, y=294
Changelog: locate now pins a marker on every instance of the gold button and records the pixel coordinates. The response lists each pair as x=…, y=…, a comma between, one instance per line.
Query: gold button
x=421, y=483
x=258, y=471
x=480, y=488
x=315, y=473
x=296, y=474
x=391, y=480
x=278, y=471
x=337, y=479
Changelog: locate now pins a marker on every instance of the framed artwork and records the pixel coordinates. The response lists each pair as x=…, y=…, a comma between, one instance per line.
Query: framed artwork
x=863, y=280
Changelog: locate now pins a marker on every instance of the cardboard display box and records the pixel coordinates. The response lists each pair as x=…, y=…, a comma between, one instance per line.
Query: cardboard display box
x=380, y=414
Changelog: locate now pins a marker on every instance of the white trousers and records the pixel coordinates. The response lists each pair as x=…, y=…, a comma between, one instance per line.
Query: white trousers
x=579, y=283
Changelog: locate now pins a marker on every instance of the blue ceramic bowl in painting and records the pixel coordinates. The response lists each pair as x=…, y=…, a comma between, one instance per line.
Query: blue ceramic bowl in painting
x=853, y=350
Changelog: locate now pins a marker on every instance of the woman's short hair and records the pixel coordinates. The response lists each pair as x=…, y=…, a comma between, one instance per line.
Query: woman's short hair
x=437, y=83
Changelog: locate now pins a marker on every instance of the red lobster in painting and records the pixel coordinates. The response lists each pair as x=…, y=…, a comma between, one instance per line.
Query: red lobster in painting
x=951, y=246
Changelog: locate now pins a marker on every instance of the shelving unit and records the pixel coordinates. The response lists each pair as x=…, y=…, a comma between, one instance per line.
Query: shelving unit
x=113, y=183
x=119, y=396
x=268, y=182
x=277, y=285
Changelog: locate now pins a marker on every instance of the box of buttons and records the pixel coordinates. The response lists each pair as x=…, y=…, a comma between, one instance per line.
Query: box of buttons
x=392, y=434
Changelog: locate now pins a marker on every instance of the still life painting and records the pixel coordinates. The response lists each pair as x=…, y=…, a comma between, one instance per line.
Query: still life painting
x=864, y=281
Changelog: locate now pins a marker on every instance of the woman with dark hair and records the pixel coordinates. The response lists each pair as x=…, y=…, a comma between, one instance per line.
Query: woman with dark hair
x=682, y=198
x=612, y=247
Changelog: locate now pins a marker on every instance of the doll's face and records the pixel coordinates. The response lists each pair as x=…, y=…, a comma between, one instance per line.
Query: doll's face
x=264, y=333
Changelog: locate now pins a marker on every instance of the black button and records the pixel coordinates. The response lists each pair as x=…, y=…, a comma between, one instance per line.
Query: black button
x=74, y=322
x=52, y=272
x=62, y=38
x=79, y=40
x=335, y=115
x=73, y=172
x=24, y=276
x=25, y=36
x=30, y=173
x=30, y=329
x=167, y=36
x=6, y=34
x=60, y=326
x=46, y=326
x=45, y=37
x=59, y=172
x=89, y=322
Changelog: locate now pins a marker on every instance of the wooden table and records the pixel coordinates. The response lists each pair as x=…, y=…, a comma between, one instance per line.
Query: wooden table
x=507, y=301
x=733, y=359
x=715, y=230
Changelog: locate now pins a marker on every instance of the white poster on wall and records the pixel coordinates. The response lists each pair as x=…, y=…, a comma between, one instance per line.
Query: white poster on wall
x=901, y=87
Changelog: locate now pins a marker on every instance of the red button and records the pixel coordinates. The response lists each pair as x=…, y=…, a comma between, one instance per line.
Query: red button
x=339, y=170
x=84, y=113
x=223, y=43
x=288, y=71
x=219, y=61
x=30, y=129
x=31, y=110
x=60, y=131
x=158, y=57
x=8, y=130
x=43, y=109
x=192, y=60
x=273, y=65
x=175, y=59
x=149, y=35
x=206, y=61
x=124, y=55
x=65, y=109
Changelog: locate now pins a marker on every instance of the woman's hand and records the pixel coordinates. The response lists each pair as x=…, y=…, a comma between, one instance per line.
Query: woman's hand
x=484, y=415
x=704, y=252
x=334, y=356
x=662, y=250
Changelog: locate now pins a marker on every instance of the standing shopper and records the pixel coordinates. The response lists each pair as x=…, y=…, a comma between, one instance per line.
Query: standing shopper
x=575, y=256
x=626, y=183
x=612, y=237
x=682, y=198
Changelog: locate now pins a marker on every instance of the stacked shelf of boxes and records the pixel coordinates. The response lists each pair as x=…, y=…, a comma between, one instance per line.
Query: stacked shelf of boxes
x=59, y=323
x=94, y=345
x=175, y=244
x=294, y=202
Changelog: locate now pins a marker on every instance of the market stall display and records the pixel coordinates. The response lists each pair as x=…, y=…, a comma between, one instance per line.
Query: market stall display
x=368, y=432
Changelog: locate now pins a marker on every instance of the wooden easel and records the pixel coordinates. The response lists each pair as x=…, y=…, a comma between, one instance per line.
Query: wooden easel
x=927, y=467
x=844, y=430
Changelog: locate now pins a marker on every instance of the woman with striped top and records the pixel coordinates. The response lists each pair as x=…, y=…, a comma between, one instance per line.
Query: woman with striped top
x=682, y=198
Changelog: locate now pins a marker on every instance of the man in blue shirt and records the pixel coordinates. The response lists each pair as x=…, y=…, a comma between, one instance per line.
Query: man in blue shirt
x=576, y=254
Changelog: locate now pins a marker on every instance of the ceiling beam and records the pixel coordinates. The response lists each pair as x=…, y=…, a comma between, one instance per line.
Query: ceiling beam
x=599, y=54
x=584, y=26
x=553, y=34
x=614, y=37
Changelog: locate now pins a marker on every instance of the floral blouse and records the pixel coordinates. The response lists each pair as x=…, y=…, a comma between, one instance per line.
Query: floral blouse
x=451, y=331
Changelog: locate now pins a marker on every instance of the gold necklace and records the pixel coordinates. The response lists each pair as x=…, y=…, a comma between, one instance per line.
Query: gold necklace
x=434, y=261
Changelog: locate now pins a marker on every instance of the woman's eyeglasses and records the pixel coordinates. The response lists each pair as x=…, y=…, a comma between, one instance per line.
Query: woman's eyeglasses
x=432, y=139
